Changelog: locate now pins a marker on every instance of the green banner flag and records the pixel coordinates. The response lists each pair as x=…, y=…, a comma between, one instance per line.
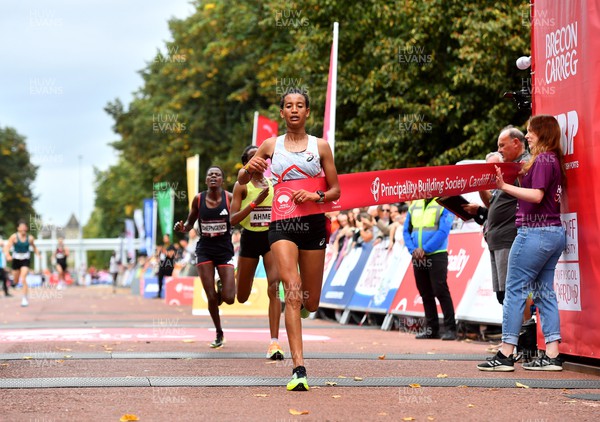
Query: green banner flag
x=163, y=193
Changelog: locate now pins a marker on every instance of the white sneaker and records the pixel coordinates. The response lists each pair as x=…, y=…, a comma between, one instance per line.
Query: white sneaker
x=24, y=302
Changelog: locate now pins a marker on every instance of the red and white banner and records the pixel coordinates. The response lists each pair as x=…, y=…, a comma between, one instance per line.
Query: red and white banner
x=565, y=68
x=389, y=186
x=464, y=254
x=179, y=290
x=264, y=128
x=479, y=302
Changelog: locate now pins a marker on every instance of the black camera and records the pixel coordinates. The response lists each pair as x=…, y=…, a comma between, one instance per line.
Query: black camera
x=522, y=98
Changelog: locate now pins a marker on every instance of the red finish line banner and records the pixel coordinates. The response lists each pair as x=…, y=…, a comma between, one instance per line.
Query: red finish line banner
x=389, y=186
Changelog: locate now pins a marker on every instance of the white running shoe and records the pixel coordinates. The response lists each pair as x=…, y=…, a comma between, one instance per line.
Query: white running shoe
x=24, y=302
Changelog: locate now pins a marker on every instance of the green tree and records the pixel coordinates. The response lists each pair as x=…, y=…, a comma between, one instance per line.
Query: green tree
x=419, y=83
x=17, y=175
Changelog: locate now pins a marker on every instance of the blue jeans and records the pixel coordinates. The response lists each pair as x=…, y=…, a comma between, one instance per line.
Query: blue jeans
x=531, y=266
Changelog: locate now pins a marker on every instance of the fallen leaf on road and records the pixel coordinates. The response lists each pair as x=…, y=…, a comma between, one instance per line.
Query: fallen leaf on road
x=341, y=376
x=442, y=375
x=128, y=417
x=188, y=340
x=430, y=418
x=358, y=379
x=59, y=361
x=382, y=414
x=270, y=362
x=521, y=385
x=336, y=396
x=471, y=405
x=431, y=353
x=261, y=395
x=68, y=356
x=382, y=357
x=414, y=385
x=462, y=386
x=298, y=412
x=571, y=401
x=408, y=418
x=27, y=357
x=3, y=364
x=331, y=383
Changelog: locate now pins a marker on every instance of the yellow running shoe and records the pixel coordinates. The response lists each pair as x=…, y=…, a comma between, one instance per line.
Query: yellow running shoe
x=304, y=313
x=299, y=381
x=274, y=352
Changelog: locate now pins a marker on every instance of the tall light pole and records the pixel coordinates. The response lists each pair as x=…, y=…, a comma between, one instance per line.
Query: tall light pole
x=80, y=252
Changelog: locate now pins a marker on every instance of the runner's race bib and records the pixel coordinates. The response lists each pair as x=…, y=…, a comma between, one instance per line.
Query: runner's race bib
x=260, y=217
x=213, y=229
x=21, y=255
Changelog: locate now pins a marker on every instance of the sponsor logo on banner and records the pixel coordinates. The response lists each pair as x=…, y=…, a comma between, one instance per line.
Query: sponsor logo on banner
x=571, y=252
x=566, y=286
x=283, y=201
x=375, y=189
x=561, y=53
x=180, y=287
x=569, y=126
x=464, y=253
x=457, y=262
x=567, y=276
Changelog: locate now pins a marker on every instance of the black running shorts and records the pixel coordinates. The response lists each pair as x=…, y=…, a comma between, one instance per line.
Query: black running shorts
x=308, y=233
x=254, y=244
x=18, y=263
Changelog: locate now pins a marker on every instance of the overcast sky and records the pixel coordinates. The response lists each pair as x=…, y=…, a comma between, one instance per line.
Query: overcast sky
x=62, y=61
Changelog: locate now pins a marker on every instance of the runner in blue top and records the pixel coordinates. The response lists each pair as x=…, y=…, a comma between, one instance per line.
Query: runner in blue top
x=20, y=244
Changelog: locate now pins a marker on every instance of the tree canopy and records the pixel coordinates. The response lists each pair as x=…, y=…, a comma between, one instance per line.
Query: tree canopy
x=17, y=175
x=419, y=83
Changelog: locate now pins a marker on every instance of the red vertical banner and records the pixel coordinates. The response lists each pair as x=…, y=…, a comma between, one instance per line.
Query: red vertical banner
x=264, y=128
x=565, y=84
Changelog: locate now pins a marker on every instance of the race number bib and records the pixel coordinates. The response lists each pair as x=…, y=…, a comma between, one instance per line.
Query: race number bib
x=260, y=217
x=21, y=255
x=213, y=229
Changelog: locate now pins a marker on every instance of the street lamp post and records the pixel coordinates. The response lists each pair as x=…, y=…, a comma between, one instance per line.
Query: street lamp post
x=80, y=235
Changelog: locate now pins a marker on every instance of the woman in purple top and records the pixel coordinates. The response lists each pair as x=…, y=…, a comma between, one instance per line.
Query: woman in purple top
x=540, y=241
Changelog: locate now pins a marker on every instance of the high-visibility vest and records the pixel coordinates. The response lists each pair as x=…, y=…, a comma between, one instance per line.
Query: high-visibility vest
x=425, y=218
